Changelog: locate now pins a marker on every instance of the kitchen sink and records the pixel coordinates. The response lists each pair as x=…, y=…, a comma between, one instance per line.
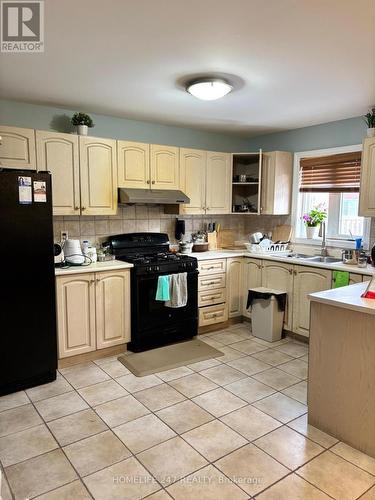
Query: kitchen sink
x=318, y=258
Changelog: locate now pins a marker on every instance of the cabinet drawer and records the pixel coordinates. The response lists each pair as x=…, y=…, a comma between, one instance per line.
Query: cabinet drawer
x=210, y=298
x=212, y=266
x=211, y=282
x=213, y=314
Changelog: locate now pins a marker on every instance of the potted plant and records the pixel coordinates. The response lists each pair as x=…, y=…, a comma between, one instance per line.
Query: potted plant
x=370, y=121
x=83, y=122
x=312, y=221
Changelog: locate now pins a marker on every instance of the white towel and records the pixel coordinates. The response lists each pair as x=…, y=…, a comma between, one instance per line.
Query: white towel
x=177, y=290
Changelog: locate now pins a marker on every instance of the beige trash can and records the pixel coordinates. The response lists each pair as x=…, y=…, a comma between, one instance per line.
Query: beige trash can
x=267, y=313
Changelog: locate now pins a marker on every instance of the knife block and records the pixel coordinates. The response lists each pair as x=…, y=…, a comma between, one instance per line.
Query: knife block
x=212, y=240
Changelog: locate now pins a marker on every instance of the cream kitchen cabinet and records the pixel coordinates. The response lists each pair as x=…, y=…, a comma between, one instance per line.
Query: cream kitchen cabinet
x=279, y=276
x=276, y=183
x=218, y=183
x=307, y=280
x=356, y=278
x=58, y=153
x=164, y=165
x=234, y=286
x=251, y=278
x=367, y=187
x=93, y=311
x=98, y=173
x=193, y=180
x=212, y=291
x=17, y=148
x=133, y=165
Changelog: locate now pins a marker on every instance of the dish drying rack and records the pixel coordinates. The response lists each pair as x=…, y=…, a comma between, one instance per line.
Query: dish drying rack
x=277, y=249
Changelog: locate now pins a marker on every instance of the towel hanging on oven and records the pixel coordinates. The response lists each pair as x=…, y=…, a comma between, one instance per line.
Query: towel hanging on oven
x=163, y=288
x=177, y=290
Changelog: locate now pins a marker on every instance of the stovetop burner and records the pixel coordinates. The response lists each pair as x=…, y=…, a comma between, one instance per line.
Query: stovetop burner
x=158, y=258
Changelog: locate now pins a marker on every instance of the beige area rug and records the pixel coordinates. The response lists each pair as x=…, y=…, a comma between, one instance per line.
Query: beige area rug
x=168, y=357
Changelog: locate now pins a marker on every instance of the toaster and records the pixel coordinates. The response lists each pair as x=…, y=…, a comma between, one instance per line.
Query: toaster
x=59, y=254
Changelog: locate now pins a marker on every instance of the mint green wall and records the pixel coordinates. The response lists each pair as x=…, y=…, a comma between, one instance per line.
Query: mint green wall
x=327, y=135
x=27, y=115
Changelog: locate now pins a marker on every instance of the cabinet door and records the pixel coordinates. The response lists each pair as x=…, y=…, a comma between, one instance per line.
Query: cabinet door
x=234, y=286
x=307, y=280
x=133, y=164
x=252, y=278
x=17, y=148
x=193, y=179
x=276, y=190
x=98, y=176
x=75, y=295
x=218, y=183
x=58, y=153
x=165, y=172
x=355, y=278
x=112, y=308
x=367, y=189
x=280, y=277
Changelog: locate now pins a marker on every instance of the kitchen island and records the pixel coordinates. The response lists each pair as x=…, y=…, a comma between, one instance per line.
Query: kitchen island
x=341, y=381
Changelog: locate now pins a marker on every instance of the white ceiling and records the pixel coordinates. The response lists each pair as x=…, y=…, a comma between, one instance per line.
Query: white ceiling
x=298, y=62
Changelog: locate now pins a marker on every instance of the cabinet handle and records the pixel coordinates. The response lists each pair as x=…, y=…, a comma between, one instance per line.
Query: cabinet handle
x=153, y=182
x=97, y=280
x=148, y=181
x=83, y=208
x=76, y=208
x=92, y=281
x=290, y=271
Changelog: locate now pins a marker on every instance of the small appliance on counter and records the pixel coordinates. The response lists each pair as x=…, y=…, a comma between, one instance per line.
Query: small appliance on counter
x=59, y=255
x=73, y=252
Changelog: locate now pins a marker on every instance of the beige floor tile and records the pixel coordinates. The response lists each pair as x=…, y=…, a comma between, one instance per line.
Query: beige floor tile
x=193, y=385
x=229, y=337
x=293, y=349
x=272, y=357
x=174, y=373
x=254, y=469
x=159, y=495
x=102, y=392
x=272, y=345
x=297, y=392
x=114, y=368
x=203, y=365
x=250, y=422
x=121, y=410
x=281, y=407
x=184, y=416
x=305, y=358
x=127, y=480
x=40, y=474
x=276, y=378
x=134, y=384
x=26, y=444
x=289, y=447
x=18, y=419
x=96, y=452
x=212, y=342
x=248, y=346
x=172, y=460
x=159, y=397
x=242, y=328
x=229, y=354
x=369, y=495
x=295, y=367
x=13, y=400
x=72, y=491
x=83, y=375
x=300, y=425
x=336, y=477
x=107, y=359
x=143, y=433
x=76, y=426
x=5, y=493
x=249, y=389
x=223, y=374
x=206, y=484
x=214, y=440
x=59, y=386
x=219, y=402
x=356, y=457
x=249, y=365
x=293, y=488
x=61, y=405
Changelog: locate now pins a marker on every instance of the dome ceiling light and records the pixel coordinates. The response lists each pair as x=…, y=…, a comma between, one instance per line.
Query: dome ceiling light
x=208, y=89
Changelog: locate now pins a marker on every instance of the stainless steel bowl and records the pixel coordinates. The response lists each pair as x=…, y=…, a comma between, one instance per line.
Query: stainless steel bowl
x=255, y=238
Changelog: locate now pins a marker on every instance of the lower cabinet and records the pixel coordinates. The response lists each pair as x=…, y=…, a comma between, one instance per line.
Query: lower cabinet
x=251, y=278
x=93, y=311
x=234, y=286
x=279, y=276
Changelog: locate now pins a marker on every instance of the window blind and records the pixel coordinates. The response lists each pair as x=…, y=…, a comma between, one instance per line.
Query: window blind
x=335, y=173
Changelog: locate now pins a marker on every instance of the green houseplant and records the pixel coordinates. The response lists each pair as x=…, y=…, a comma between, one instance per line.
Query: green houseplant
x=313, y=219
x=83, y=122
x=370, y=121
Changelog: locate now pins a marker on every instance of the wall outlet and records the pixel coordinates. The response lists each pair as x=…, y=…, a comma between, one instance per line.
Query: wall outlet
x=63, y=236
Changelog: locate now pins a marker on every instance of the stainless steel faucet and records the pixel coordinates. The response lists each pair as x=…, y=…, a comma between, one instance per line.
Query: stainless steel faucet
x=322, y=234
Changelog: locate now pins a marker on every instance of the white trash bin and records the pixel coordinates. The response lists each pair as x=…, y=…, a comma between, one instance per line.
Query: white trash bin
x=266, y=318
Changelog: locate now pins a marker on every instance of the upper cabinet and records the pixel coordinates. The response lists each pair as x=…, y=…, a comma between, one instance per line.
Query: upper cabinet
x=193, y=179
x=17, y=148
x=276, y=185
x=367, y=189
x=218, y=183
x=133, y=164
x=58, y=153
x=165, y=171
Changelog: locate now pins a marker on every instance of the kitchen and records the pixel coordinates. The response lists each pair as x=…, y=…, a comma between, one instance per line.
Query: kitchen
x=132, y=365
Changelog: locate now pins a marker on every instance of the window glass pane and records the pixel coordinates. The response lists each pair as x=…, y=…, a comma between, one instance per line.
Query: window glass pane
x=308, y=201
x=349, y=219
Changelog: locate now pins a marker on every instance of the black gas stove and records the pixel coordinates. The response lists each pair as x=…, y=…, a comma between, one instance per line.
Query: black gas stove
x=154, y=324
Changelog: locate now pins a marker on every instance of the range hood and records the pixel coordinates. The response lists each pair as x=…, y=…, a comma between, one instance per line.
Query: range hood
x=155, y=196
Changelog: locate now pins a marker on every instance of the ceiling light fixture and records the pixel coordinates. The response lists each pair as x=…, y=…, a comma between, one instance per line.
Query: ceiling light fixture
x=209, y=89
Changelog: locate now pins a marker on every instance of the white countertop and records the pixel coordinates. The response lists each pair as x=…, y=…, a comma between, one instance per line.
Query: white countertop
x=95, y=267
x=347, y=297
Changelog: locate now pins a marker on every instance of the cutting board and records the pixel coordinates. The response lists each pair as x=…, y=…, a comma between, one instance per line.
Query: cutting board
x=225, y=238
x=282, y=233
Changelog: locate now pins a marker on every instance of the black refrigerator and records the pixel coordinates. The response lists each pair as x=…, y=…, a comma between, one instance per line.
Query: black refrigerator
x=28, y=345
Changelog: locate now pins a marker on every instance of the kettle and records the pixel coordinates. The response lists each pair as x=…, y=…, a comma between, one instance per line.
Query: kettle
x=73, y=253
